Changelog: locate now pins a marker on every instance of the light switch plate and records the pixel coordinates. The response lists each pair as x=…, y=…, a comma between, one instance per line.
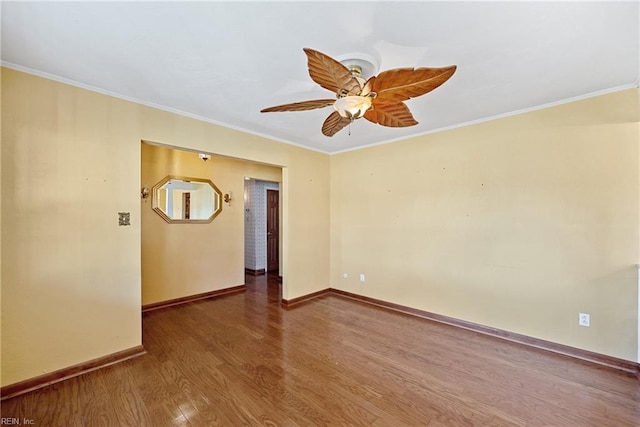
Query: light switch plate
x=124, y=218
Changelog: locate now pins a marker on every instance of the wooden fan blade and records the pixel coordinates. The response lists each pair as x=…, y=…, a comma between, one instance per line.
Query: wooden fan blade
x=300, y=106
x=330, y=74
x=334, y=123
x=395, y=115
x=368, y=86
x=401, y=84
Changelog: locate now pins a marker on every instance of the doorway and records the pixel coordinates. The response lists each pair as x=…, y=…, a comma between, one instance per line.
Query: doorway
x=262, y=227
x=273, y=231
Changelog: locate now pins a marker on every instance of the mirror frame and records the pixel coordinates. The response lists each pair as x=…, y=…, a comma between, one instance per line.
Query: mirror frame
x=156, y=208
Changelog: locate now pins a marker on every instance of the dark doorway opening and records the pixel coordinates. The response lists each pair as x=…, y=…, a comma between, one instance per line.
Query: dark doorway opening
x=273, y=231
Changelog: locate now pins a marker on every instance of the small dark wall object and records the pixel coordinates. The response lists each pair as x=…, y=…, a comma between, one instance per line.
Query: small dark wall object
x=124, y=218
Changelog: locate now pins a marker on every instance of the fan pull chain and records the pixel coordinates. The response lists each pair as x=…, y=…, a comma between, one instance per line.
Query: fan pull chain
x=351, y=119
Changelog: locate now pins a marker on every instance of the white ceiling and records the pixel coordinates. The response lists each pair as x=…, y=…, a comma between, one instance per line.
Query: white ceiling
x=225, y=61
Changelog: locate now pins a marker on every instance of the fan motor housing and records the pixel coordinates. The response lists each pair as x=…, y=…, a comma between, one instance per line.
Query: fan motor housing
x=361, y=64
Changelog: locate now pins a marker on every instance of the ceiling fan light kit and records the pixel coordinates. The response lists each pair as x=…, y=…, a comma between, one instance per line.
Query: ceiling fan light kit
x=379, y=99
x=352, y=107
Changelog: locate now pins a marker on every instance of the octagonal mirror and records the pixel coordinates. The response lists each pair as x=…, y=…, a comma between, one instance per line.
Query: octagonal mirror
x=180, y=199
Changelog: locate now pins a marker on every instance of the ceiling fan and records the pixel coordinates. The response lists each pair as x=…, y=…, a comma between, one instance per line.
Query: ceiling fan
x=378, y=99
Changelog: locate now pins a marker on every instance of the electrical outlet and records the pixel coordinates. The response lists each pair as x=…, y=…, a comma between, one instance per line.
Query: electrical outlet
x=362, y=277
x=584, y=319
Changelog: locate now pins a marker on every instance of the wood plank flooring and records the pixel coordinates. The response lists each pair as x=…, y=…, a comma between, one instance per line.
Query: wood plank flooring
x=243, y=360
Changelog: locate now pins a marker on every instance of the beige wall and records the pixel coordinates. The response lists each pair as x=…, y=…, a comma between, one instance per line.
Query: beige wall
x=71, y=287
x=179, y=260
x=1, y=135
x=518, y=223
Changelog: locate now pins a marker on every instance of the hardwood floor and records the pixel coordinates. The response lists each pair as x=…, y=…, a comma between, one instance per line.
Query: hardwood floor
x=244, y=360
